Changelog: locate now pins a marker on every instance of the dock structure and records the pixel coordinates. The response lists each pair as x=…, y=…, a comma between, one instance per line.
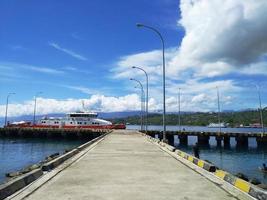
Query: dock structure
x=70, y=133
x=126, y=165
x=220, y=137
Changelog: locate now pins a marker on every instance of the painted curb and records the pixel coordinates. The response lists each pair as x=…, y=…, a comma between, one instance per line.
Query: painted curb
x=200, y=163
x=242, y=185
x=12, y=186
x=190, y=161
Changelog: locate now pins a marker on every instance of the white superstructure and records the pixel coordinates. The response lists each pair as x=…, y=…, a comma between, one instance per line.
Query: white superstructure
x=75, y=119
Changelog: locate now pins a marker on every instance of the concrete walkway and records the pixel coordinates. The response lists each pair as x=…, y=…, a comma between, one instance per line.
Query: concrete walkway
x=127, y=166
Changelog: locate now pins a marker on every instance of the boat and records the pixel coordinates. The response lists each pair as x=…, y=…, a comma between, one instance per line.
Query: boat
x=78, y=119
x=217, y=125
x=255, y=125
x=20, y=124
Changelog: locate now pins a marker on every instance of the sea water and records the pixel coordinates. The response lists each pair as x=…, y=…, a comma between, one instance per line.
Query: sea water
x=16, y=154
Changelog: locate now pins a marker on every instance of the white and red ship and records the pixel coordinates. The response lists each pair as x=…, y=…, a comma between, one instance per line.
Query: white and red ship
x=71, y=120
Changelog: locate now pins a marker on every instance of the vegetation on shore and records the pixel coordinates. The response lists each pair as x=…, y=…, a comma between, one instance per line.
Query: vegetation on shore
x=234, y=119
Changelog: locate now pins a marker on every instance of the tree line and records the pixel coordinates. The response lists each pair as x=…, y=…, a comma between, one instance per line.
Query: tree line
x=233, y=119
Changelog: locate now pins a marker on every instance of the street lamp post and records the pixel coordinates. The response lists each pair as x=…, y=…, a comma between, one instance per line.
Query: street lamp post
x=179, y=106
x=34, y=110
x=261, y=116
x=163, y=63
x=142, y=89
x=219, y=110
x=134, y=67
x=7, y=99
x=142, y=93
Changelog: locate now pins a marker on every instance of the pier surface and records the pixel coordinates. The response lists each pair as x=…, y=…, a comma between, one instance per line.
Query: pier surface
x=125, y=165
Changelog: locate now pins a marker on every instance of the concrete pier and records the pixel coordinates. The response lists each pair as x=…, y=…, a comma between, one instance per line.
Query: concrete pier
x=203, y=137
x=183, y=139
x=71, y=133
x=219, y=140
x=125, y=165
x=241, y=141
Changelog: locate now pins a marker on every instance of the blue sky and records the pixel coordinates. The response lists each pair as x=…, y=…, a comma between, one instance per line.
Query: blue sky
x=83, y=50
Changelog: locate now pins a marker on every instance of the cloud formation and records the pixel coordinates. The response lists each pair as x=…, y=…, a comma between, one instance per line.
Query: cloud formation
x=12, y=66
x=94, y=103
x=221, y=36
x=222, y=39
x=67, y=51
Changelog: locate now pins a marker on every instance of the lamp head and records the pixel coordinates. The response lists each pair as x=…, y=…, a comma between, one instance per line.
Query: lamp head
x=133, y=67
x=139, y=25
x=131, y=79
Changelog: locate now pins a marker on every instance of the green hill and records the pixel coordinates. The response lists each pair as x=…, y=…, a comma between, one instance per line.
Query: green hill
x=200, y=118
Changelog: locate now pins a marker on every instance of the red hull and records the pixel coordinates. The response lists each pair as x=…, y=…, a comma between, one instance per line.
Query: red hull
x=113, y=126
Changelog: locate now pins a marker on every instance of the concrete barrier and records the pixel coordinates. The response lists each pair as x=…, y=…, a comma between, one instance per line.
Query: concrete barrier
x=56, y=162
x=201, y=163
x=87, y=144
x=16, y=184
x=242, y=185
x=170, y=148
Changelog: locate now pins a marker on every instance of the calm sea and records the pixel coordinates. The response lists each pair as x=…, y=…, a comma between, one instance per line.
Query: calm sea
x=16, y=154
x=246, y=161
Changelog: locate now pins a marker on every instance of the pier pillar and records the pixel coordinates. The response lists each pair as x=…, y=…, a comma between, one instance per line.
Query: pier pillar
x=226, y=141
x=160, y=136
x=219, y=140
x=170, y=139
x=183, y=140
x=241, y=141
x=262, y=142
x=203, y=139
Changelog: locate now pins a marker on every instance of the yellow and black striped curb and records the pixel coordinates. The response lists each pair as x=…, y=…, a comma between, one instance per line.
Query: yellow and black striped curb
x=201, y=163
x=242, y=185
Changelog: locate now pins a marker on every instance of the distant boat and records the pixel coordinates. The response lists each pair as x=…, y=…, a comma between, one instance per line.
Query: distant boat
x=255, y=125
x=217, y=125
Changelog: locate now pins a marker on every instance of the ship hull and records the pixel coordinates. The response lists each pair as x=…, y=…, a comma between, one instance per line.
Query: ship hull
x=112, y=126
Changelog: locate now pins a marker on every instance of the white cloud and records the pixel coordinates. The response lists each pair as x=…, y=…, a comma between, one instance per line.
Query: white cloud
x=17, y=47
x=94, y=103
x=12, y=66
x=82, y=89
x=227, y=31
x=67, y=51
x=255, y=68
x=150, y=61
x=221, y=37
x=200, y=98
x=44, y=70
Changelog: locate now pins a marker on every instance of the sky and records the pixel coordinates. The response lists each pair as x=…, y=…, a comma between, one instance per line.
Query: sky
x=79, y=51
